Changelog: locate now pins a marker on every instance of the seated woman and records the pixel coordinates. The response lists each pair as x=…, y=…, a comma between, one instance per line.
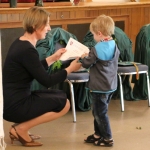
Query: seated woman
x=25, y=108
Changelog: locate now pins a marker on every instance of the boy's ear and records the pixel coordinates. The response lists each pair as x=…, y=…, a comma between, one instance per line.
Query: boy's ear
x=99, y=33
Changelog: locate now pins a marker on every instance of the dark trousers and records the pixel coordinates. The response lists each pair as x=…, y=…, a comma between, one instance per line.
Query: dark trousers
x=100, y=102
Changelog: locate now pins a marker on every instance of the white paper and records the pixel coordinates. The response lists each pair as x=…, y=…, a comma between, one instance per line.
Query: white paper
x=74, y=49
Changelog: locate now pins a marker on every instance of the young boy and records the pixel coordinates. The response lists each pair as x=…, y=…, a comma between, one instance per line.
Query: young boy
x=103, y=63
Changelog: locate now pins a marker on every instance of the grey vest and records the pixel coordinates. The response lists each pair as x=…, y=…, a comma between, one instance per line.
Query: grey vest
x=103, y=74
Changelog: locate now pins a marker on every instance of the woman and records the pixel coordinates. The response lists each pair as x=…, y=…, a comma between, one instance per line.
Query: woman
x=28, y=109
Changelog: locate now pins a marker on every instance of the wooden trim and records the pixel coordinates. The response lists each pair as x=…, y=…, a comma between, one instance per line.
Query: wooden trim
x=134, y=14
x=67, y=5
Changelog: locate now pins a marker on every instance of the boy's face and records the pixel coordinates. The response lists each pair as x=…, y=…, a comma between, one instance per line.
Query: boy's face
x=96, y=36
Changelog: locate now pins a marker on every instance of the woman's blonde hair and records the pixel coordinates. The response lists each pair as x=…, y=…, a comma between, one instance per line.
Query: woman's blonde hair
x=35, y=18
x=104, y=24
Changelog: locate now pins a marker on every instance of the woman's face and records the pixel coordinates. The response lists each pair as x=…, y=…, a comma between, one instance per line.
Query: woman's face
x=41, y=32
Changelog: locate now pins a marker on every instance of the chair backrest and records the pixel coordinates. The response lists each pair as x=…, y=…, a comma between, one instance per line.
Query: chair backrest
x=88, y=40
x=47, y=47
x=142, y=54
x=142, y=45
x=124, y=44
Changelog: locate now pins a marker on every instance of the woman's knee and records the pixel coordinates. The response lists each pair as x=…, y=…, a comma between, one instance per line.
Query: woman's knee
x=67, y=106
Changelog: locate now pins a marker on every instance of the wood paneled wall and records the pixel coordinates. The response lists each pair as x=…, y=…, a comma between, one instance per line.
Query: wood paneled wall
x=134, y=14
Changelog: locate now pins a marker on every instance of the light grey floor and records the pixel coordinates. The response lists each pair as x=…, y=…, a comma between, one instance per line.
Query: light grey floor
x=63, y=134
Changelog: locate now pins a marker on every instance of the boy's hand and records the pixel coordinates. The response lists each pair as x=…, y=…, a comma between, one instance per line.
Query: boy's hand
x=84, y=55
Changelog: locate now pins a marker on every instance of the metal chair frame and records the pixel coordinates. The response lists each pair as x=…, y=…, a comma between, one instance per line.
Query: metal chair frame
x=70, y=82
x=121, y=88
x=72, y=79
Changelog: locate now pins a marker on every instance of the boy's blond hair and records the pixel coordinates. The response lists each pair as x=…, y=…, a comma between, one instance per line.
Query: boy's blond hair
x=35, y=18
x=104, y=24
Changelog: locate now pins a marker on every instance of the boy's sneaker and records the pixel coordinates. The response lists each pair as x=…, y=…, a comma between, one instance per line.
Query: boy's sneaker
x=103, y=142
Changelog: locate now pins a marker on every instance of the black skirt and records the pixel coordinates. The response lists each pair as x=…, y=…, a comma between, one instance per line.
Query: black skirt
x=37, y=104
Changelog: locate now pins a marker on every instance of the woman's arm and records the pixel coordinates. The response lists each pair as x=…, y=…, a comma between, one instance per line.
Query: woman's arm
x=51, y=59
x=37, y=71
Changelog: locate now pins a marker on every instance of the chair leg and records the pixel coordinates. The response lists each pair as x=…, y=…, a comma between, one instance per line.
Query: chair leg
x=72, y=100
x=148, y=88
x=121, y=93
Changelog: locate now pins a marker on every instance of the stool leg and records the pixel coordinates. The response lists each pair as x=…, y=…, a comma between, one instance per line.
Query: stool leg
x=121, y=93
x=72, y=100
x=148, y=89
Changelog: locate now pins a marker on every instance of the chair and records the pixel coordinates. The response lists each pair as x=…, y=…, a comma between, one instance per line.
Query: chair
x=56, y=39
x=75, y=77
x=130, y=70
x=142, y=54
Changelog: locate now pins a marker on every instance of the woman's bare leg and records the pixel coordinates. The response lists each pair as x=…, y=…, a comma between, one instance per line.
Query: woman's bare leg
x=23, y=128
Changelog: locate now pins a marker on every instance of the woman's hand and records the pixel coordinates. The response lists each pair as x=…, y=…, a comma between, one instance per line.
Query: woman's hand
x=74, y=66
x=51, y=59
x=59, y=53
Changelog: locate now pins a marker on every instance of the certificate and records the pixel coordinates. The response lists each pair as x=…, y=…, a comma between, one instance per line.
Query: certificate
x=74, y=49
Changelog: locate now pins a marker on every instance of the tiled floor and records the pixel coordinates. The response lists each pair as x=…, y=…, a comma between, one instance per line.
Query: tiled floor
x=63, y=134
